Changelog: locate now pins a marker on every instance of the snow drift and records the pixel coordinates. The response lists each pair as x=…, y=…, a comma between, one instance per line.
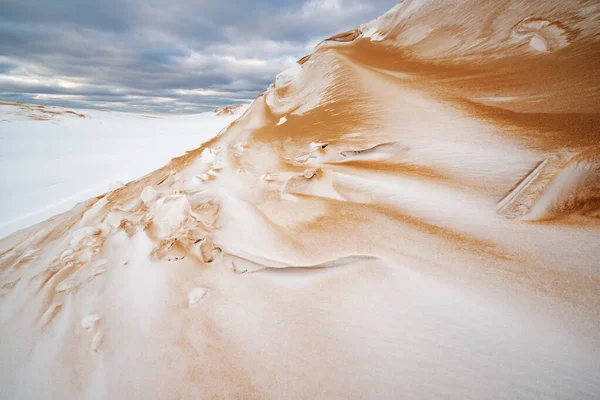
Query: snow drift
x=409, y=213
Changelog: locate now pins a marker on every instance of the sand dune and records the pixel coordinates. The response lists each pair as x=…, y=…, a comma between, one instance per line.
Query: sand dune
x=411, y=212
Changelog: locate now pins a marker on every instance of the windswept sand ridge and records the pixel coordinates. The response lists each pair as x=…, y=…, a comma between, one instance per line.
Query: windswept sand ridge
x=40, y=112
x=228, y=110
x=410, y=212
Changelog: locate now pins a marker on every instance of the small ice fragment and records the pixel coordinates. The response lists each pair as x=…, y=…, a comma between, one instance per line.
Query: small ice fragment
x=315, y=145
x=207, y=250
x=196, y=295
x=89, y=321
x=268, y=177
x=282, y=120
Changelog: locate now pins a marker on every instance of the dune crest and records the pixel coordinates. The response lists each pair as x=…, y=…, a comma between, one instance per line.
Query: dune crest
x=410, y=212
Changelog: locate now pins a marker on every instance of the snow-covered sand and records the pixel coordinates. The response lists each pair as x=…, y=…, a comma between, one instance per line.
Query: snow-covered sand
x=410, y=213
x=52, y=158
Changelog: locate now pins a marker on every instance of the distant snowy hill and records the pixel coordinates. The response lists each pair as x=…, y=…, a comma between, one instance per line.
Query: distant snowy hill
x=52, y=158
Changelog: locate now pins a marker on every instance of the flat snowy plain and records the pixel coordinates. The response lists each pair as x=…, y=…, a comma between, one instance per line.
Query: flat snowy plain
x=51, y=158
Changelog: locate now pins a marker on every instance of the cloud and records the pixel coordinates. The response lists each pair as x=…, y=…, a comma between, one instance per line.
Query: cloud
x=150, y=56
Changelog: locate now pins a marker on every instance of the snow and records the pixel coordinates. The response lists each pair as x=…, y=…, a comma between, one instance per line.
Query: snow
x=288, y=75
x=47, y=166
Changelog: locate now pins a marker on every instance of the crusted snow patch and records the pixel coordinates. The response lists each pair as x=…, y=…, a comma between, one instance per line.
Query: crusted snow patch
x=543, y=35
x=373, y=34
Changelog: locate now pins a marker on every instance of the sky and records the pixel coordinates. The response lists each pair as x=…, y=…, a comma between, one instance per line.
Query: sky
x=178, y=56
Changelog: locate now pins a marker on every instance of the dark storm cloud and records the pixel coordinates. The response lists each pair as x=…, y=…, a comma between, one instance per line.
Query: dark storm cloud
x=157, y=56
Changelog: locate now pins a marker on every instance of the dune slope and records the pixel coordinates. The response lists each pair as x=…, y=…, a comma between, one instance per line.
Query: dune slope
x=410, y=212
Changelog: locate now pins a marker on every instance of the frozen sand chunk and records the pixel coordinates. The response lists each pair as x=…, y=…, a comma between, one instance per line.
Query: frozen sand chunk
x=314, y=182
x=148, y=194
x=161, y=250
x=89, y=321
x=205, y=250
x=345, y=37
x=318, y=145
x=128, y=227
x=317, y=150
x=170, y=213
x=196, y=295
x=309, y=173
x=268, y=177
x=67, y=286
